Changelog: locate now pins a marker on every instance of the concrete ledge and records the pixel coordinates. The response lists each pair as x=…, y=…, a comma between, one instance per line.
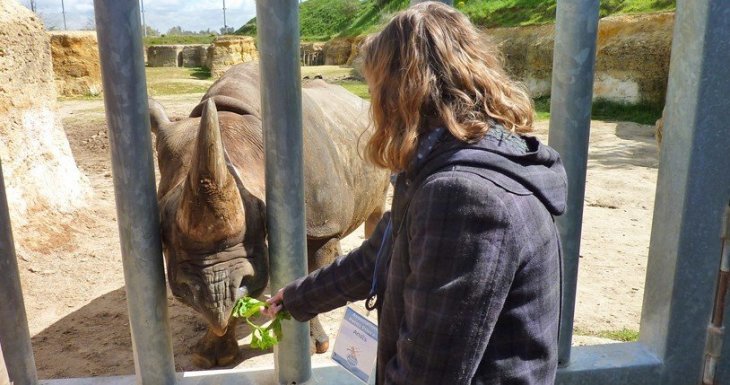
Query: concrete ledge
x=621, y=363
x=331, y=374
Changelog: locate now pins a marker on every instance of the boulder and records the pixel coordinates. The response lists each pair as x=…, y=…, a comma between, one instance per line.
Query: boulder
x=227, y=51
x=39, y=170
x=76, y=62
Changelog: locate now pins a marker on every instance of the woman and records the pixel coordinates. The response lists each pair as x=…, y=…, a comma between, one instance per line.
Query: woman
x=465, y=269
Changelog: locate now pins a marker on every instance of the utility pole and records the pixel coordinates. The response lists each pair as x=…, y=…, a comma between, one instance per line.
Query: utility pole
x=63, y=10
x=144, y=26
x=225, y=26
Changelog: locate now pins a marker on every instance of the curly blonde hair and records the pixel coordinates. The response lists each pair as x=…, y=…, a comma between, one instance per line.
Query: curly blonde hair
x=428, y=66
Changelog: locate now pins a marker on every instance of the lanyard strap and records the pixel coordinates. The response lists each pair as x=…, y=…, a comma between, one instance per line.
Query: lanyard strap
x=372, y=300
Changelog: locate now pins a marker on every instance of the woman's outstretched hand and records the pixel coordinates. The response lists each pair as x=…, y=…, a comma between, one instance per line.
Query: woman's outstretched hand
x=275, y=304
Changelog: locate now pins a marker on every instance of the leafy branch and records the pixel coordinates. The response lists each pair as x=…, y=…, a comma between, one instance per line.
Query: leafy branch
x=265, y=336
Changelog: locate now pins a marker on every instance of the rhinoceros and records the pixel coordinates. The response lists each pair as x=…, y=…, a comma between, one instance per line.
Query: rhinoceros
x=211, y=196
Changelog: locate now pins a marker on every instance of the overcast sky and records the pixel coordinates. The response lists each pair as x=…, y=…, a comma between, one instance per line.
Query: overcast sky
x=192, y=15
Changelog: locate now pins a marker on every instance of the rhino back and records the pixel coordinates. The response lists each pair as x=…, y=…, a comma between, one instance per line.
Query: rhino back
x=341, y=188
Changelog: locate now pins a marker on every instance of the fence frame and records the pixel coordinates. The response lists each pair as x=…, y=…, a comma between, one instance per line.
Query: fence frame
x=693, y=190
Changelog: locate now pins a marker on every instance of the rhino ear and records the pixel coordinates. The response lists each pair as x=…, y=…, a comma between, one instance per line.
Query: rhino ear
x=158, y=116
x=211, y=208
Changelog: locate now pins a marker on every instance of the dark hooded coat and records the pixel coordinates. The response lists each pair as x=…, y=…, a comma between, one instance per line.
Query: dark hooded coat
x=470, y=290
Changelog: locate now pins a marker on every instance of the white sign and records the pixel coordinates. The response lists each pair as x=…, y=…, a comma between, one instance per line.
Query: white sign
x=356, y=346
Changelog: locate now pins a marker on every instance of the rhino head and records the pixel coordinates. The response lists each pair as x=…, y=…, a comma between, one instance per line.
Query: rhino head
x=212, y=227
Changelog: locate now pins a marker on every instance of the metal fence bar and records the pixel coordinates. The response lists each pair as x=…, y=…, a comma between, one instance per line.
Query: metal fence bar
x=576, y=28
x=693, y=188
x=125, y=99
x=14, y=334
x=281, y=103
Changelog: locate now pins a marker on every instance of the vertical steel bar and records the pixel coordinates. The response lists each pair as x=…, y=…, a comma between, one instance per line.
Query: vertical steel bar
x=576, y=28
x=448, y=2
x=125, y=99
x=693, y=188
x=14, y=334
x=281, y=103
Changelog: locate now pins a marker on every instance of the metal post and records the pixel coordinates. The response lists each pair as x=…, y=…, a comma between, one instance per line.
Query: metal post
x=225, y=25
x=693, y=188
x=281, y=102
x=63, y=11
x=144, y=25
x=14, y=334
x=571, y=96
x=448, y=2
x=125, y=99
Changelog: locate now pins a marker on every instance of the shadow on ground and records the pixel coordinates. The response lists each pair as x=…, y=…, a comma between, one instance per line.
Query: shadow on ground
x=97, y=334
x=637, y=148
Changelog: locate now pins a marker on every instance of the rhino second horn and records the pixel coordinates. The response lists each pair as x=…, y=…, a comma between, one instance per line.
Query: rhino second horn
x=211, y=208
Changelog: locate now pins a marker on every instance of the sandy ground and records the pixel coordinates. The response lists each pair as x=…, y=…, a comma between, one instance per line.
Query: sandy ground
x=71, y=270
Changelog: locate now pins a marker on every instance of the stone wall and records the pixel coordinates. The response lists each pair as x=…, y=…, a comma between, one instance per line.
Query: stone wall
x=632, y=62
x=76, y=62
x=177, y=55
x=311, y=54
x=39, y=170
x=165, y=56
x=195, y=55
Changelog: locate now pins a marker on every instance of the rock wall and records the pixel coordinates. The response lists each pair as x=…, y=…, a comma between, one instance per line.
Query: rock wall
x=632, y=62
x=227, y=51
x=337, y=51
x=39, y=170
x=76, y=63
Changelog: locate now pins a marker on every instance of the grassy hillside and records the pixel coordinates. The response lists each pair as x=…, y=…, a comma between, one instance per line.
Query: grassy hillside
x=321, y=20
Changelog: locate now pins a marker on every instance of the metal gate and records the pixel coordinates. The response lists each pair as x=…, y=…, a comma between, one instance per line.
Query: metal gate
x=690, y=214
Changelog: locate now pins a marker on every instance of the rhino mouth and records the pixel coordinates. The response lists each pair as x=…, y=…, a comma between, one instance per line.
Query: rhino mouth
x=212, y=287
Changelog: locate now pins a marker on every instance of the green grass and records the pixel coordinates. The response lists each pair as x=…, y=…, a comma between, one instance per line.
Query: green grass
x=321, y=20
x=623, y=335
x=642, y=113
x=174, y=81
x=178, y=39
x=358, y=88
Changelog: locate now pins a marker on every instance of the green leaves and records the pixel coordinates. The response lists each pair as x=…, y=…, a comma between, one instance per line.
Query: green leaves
x=265, y=336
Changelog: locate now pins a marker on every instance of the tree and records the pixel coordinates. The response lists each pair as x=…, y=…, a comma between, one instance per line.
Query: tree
x=176, y=30
x=151, y=31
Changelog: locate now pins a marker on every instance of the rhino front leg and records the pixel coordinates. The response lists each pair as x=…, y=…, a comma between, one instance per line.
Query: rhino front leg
x=372, y=222
x=213, y=350
x=321, y=253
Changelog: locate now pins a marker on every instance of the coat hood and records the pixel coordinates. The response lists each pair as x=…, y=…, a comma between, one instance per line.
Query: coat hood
x=523, y=164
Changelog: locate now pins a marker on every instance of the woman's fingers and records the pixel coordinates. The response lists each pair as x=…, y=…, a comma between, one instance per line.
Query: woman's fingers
x=274, y=304
x=271, y=311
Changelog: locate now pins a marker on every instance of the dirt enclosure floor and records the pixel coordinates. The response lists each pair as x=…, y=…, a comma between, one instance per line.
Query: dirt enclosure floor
x=73, y=283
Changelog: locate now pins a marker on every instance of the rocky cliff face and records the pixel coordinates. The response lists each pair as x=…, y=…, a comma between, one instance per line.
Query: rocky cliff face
x=632, y=58
x=76, y=63
x=227, y=51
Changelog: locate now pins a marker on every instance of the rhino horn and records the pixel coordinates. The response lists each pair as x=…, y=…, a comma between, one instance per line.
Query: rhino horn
x=211, y=209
